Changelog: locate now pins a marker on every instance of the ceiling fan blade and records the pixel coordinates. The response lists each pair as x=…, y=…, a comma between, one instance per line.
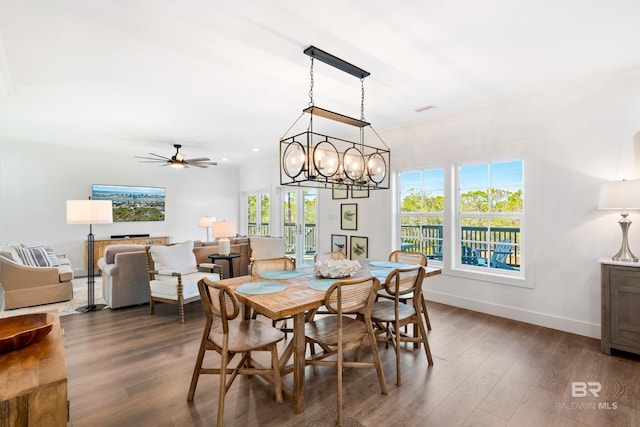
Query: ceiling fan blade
x=151, y=159
x=158, y=155
x=198, y=165
x=199, y=159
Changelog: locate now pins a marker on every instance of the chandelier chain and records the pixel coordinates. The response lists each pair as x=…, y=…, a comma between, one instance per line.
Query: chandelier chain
x=311, y=87
x=362, y=100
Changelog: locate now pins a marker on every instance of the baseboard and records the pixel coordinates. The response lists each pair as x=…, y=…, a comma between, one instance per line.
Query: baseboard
x=514, y=313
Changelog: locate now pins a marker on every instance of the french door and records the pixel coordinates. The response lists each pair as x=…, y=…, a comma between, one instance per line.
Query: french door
x=299, y=213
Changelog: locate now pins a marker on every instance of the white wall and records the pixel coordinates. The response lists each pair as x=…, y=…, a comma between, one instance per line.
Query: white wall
x=572, y=138
x=37, y=179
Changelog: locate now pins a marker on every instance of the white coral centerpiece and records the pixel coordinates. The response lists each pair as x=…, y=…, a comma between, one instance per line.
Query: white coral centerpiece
x=336, y=268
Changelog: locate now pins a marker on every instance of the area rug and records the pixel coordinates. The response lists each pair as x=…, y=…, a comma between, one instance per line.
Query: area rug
x=66, y=307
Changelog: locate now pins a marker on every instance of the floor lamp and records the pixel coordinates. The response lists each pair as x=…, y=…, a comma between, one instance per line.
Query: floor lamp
x=90, y=212
x=205, y=222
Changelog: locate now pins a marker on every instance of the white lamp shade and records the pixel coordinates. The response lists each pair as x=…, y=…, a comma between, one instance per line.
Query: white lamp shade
x=224, y=229
x=205, y=221
x=89, y=212
x=620, y=195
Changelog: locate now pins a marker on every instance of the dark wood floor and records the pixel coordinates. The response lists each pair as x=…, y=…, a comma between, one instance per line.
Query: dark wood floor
x=127, y=368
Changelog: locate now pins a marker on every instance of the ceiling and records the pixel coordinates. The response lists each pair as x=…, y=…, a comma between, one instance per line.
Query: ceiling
x=225, y=77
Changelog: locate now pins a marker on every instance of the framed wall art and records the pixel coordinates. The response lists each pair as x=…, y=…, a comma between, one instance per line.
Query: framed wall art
x=348, y=216
x=359, y=192
x=359, y=248
x=339, y=243
x=339, y=191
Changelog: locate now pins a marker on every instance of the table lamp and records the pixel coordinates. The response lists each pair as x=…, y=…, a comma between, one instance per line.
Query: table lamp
x=621, y=195
x=223, y=230
x=90, y=212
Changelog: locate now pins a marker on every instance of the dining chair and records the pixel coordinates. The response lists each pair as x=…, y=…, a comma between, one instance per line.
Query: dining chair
x=340, y=333
x=389, y=316
x=273, y=264
x=230, y=338
x=409, y=258
x=326, y=256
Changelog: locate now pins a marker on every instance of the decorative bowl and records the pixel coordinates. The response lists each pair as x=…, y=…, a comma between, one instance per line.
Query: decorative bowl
x=336, y=268
x=20, y=331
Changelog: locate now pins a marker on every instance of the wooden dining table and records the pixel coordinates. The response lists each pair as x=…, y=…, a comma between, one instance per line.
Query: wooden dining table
x=296, y=301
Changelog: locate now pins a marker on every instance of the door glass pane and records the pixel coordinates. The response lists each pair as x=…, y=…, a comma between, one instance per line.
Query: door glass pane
x=309, y=236
x=290, y=219
x=264, y=214
x=251, y=215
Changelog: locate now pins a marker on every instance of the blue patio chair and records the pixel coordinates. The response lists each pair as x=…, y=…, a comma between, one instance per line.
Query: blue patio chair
x=469, y=255
x=499, y=256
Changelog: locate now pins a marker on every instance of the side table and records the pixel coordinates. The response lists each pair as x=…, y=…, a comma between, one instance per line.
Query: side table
x=229, y=258
x=620, y=306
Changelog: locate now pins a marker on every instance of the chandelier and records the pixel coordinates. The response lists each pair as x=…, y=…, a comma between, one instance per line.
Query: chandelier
x=314, y=159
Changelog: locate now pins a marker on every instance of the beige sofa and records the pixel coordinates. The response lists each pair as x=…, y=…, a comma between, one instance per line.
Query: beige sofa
x=124, y=270
x=26, y=285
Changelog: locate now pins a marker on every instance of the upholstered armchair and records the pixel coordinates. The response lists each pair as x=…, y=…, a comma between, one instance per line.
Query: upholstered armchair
x=124, y=275
x=173, y=275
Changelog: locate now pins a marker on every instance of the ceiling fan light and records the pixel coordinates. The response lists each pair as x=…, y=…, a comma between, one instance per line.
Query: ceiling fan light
x=177, y=165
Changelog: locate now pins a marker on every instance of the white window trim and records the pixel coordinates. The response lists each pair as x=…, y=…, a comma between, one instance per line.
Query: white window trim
x=450, y=267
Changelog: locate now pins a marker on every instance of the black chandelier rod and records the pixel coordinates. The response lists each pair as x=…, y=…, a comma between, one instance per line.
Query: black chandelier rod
x=336, y=62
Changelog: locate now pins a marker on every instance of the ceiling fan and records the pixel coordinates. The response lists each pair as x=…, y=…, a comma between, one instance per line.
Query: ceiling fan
x=177, y=160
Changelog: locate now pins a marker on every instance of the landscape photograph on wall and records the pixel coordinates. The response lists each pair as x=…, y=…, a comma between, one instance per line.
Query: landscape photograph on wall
x=132, y=203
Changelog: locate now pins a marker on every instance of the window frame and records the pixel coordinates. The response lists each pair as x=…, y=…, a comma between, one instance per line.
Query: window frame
x=457, y=234
x=451, y=227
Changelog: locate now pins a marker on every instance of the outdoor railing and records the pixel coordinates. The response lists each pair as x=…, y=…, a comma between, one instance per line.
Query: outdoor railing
x=428, y=240
x=310, y=236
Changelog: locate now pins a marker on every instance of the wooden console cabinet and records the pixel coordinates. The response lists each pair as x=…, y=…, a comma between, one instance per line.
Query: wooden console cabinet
x=620, y=306
x=34, y=383
x=100, y=244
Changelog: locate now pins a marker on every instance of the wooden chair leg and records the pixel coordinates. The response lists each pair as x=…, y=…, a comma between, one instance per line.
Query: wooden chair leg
x=181, y=311
x=277, y=380
x=376, y=359
x=223, y=386
x=198, y=366
x=396, y=345
x=339, y=397
x=151, y=307
x=426, y=314
x=425, y=341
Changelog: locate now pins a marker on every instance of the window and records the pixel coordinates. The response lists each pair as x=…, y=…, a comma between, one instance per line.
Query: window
x=472, y=227
x=422, y=212
x=490, y=215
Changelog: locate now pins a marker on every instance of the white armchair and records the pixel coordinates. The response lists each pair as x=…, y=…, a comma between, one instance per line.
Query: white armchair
x=173, y=275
